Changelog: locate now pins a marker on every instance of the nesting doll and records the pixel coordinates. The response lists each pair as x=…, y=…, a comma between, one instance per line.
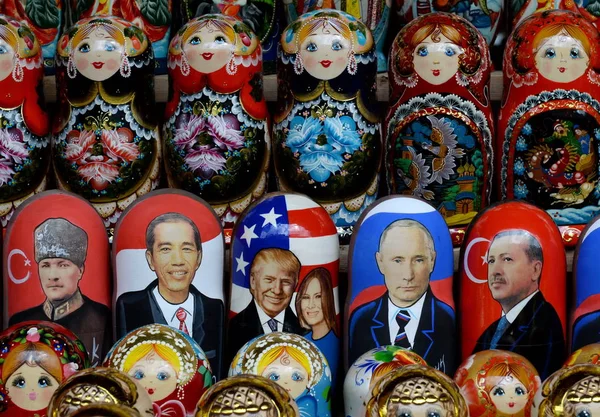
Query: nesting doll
x=294, y=363
x=216, y=134
x=513, y=285
x=35, y=358
x=171, y=243
x=439, y=129
x=497, y=383
x=167, y=363
x=284, y=274
x=367, y=369
x=401, y=267
x=57, y=268
x=326, y=137
x=549, y=123
x=247, y=396
x=154, y=17
x=24, y=125
x=416, y=390
x=587, y=354
x=99, y=385
x=105, y=135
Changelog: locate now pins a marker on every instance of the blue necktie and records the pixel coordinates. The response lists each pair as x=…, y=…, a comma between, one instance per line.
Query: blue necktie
x=402, y=318
x=272, y=325
x=502, y=326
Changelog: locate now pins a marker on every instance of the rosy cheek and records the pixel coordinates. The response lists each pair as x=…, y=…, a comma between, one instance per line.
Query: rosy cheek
x=82, y=63
x=310, y=62
x=6, y=65
x=222, y=54
x=547, y=66
x=341, y=61
x=112, y=64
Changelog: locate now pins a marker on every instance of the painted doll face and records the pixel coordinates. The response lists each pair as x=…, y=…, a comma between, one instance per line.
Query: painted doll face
x=325, y=53
x=436, y=62
x=414, y=410
x=311, y=303
x=509, y=396
x=288, y=373
x=208, y=50
x=155, y=375
x=585, y=410
x=561, y=59
x=31, y=387
x=98, y=56
x=7, y=56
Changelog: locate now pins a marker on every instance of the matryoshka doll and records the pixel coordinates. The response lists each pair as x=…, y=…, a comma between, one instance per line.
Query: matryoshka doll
x=216, y=138
x=439, y=128
x=496, y=383
x=99, y=386
x=247, y=396
x=549, y=123
x=105, y=134
x=35, y=358
x=294, y=363
x=416, y=390
x=513, y=286
x=586, y=354
x=367, y=370
x=24, y=124
x=106, y=410
x=327, y=141
x=167, y=363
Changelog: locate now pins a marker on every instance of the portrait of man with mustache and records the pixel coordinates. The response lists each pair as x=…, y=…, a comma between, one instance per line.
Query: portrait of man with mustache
x=529, y=324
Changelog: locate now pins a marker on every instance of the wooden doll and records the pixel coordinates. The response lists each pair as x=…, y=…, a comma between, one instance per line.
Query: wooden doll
x=326, y=137
x=216, y=137
x=549, y=123
x=106, y=410
x=105, y=134
x=35, y=358
x=57, y=268
x=400, y=283
x=513, y=286
x=167, y=363
x=24, y=125
x=439, y=128
x=587, y=354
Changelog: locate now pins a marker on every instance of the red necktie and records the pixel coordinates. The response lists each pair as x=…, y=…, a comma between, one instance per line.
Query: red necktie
x=181, y=315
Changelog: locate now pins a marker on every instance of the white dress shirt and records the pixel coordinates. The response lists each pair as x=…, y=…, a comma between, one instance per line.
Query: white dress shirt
x=516, y=310
x=414, y=312
x=170, y=310
x=264, y=319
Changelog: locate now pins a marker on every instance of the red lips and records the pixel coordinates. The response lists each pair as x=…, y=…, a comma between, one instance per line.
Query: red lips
x=98, y=65
x=207, y=55
x=436, y=73
x=562, y=69
x=511, y=405
x=150, y=391
x=325, y=63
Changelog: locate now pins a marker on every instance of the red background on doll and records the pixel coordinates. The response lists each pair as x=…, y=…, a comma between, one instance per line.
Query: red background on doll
x=19, y=252
x=473, y=276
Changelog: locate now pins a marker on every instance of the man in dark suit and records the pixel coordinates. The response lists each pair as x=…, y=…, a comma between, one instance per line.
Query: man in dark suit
x=60, y=252
x=408, y=314
x=174, y=253
x=529, y=324
x=273, y=279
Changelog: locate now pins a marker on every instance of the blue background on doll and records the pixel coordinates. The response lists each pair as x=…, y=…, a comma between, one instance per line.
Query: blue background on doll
x=49, y=50
x=161, y=50
x=366, y=244
x=587, y=283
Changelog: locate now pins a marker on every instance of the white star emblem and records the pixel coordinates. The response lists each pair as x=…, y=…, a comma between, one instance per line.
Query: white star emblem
x=27, y=262
x=241, y=264
x=270, y=218
x=484, y=260
x=249, y=234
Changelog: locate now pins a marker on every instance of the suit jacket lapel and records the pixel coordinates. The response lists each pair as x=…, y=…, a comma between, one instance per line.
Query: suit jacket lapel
x=425, y=331
x=289, y=322
x=520, y=327
x=157, y=315
x=379, y=329
x=198, y=319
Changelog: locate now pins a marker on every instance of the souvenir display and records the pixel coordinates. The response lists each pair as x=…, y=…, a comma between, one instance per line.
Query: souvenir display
x=439, y=128
x=247, y=395
x=99, y=386
x=400, y=272
x=106, y=410
x=285, y=248
x=586, y=354
x=167, y=363
x=367, y=370
x=294, y=363
x=497, y=383
x=44, y=18
x=513, y=285
x=154, y=17
x=416, y=390
x=24, y=124
x=570, y=392
x=549, y=123
x=216, y=138
x=35, y=358
x=168, y=254
x=521, y=9
x=327, y=141
x=105, y=134
x=57, y=268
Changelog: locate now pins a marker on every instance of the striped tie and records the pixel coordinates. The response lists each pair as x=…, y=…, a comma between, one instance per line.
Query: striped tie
x=402, y=318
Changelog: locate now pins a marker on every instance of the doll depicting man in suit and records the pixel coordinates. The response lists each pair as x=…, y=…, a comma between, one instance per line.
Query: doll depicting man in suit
x=529, y=324
x=407, y=314
x=174, y=253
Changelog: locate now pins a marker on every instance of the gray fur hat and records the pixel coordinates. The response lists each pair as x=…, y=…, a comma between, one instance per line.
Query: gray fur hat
x=59, y=238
